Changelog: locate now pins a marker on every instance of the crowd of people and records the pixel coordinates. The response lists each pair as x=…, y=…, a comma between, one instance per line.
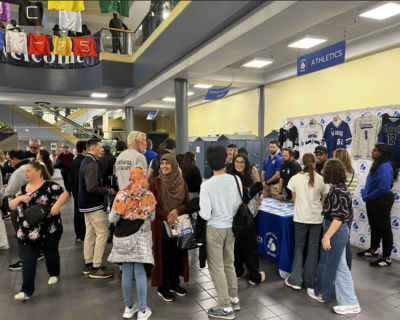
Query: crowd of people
x=131, y=197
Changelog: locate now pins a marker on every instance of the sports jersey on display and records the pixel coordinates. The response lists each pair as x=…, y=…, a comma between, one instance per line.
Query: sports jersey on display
x=390, y=134
x=16, y=42
x=30, y=14
x=66, y=5
x=122, y=7
x=85, y=47
x=4, y=11
x=62, y=46
x=1, y=39
x=365, y=135
x=38, y=45
x=337, y=135
x=70, y=20
x=312, y=136
x=289, y=138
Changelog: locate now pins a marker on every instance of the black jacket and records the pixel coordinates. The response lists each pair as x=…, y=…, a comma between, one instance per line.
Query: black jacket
x=74, y=174
x=107, y=165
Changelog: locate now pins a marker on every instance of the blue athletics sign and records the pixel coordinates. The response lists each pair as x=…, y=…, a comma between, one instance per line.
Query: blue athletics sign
x=321, y=59
x=215, y=94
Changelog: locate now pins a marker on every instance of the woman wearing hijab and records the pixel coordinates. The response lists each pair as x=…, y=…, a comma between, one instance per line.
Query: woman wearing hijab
x=171, y=194
x=132, y=212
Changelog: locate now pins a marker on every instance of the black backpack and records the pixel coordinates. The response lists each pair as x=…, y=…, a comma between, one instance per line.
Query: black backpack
x=243, y=218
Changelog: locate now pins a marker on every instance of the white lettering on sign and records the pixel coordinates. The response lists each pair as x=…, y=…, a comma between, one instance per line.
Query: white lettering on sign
x=329, y=56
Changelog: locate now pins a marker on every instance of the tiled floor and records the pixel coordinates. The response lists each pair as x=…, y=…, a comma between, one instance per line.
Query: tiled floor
x=78, y=297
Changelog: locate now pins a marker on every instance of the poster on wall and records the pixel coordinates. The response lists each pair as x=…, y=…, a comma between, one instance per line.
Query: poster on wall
x=61, y=145
x=53, y=146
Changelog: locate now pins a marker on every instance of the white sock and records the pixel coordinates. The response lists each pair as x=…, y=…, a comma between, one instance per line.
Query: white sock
x=234, y=300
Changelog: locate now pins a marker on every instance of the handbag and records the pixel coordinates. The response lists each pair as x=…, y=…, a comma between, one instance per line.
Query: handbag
x=36, y=214
x=243, y=218
x=188, y=242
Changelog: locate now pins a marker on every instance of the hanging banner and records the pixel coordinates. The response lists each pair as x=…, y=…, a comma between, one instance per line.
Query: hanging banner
x=53, y=61
x=152, y=115
x=321, y=59
x=215, y=94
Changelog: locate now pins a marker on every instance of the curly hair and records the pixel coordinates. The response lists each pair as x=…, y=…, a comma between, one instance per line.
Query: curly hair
x=334, y=172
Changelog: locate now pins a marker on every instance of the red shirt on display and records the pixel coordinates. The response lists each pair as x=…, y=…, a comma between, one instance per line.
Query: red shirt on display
x=38, y=45
x=85, y=47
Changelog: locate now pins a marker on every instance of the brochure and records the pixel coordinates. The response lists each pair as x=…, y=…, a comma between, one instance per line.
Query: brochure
x=181, y=227
x=253, y=206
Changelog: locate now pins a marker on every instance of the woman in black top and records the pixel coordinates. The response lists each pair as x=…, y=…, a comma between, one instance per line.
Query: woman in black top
x=47, y=234
x=191, y=174
x=246, y=245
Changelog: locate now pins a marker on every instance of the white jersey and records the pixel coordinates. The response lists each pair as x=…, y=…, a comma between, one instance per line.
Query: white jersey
x=365, y=135
x=312, y=136
x=16, y=42
x=70, y=20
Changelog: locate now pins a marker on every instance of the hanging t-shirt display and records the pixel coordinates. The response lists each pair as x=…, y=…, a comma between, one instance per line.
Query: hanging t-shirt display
x=365, y=135
x=38, y=45
x=30, y=14
x=16, y=42
x=337, y=135
x=85, y=47
x=289, y=138
x=70, y=20
x=122, y=7
x=390, y=134
x=312, y=136
x=66, y=5
x=4, y=11
x=62, y=46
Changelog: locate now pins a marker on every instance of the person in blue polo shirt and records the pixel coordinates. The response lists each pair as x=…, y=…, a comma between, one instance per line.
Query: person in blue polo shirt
x=271, y=171
x=149, y=154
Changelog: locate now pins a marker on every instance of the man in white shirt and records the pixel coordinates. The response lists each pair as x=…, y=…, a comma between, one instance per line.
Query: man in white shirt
x=219, y=202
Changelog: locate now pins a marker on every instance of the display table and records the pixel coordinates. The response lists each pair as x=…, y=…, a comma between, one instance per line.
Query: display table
x=275, y=233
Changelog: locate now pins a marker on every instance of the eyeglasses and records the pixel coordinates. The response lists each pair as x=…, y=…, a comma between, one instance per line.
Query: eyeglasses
x=33, y=148
x=240, y=162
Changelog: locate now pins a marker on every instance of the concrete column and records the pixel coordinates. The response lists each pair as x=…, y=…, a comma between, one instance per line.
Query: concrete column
x=181, y=116
x=261, y=120
x=129, y=127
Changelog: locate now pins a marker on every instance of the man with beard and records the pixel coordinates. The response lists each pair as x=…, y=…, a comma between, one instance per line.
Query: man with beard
x=289, y=168
x=271, y=171
x=321, y=155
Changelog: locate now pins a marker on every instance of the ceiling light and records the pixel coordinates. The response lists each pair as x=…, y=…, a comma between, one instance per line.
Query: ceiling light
x=307, y=42
x=99, y=95
x=190, y=93
x=119, y=110
x=258, y=63
x=203, y=86
x=27, y=130
x=169, y=99
x=382, y=12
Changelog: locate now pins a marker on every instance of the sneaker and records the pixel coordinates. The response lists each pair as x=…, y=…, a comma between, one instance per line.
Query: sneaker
x=21, y=296
x=101, y=273
x=221, y=313
x=144, y=315
x=78, y=240
x=262, y=279
x=87, y=269
x=245, y=273
x=5, y=218
x=367, y=253
x=381, y=263
x=53, y=280
x=16, y=266
x=311, y=293
x=347, y=309
x=235, y=303
x=129, y=312
x=6, y=247
x=41, y=256
x=179, y=291
x=167, y=295
x=291, y=285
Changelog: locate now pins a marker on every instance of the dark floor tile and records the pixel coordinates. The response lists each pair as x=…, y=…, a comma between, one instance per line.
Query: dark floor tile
x=263, y=313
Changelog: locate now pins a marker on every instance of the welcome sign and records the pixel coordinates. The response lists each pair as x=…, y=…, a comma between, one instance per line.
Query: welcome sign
x=321, y=59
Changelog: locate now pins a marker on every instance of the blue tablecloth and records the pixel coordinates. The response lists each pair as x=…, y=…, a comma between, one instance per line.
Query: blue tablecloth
x=275, y=232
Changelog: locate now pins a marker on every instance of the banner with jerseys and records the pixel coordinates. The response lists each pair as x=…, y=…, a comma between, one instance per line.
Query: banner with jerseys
x=53, y=61
x=360, y=230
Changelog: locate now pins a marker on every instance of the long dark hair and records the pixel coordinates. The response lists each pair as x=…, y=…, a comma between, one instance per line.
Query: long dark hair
x=38, y=166
x=246, y=176
x=188, y=164
x=386, y=156
x=47, y=161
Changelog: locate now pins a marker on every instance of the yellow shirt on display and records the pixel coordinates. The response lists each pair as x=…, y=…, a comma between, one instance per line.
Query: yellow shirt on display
x=66, y=5
x=62, y=46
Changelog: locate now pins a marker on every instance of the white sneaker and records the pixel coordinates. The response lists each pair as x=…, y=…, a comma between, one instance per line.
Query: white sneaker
x=144, y=315
x=21, y=296
x=347, y=309
x=53, y=280
x=311, y=293
x=129, y=313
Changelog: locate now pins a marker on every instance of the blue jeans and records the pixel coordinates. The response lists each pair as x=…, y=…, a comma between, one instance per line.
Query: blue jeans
x=333, y=265
x=141, y=284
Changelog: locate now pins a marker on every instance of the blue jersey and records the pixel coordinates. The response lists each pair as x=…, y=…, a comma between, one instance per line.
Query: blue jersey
x=390, y=134
x=336, y=136
x=1, y=39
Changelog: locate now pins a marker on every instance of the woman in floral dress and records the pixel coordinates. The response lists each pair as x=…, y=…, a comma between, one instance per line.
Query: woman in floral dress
x=47, y=234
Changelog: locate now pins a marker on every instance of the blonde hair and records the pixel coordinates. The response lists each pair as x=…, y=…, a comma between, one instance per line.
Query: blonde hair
x=134, y=136
x=344, y=157
x=2, y=156
x=309, y=167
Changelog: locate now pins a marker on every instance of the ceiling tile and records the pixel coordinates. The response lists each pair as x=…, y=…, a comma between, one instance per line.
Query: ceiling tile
x=328, y=30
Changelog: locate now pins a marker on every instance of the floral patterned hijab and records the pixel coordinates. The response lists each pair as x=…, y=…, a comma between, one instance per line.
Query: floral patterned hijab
x=135, y=201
